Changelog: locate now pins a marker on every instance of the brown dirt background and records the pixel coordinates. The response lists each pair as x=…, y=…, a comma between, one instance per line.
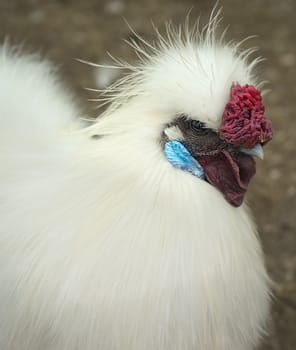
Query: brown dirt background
x=66, y=29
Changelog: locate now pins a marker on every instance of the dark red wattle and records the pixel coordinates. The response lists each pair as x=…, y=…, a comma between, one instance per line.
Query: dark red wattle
x=230, y=173
x=243, y=122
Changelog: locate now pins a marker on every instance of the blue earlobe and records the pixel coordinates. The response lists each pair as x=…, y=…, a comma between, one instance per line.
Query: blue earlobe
x=180, y=158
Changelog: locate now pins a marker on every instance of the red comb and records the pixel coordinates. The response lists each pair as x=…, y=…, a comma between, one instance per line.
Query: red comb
x=243, y=122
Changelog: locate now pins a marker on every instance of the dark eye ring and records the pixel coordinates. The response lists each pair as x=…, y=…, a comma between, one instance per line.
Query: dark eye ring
x=197, y=125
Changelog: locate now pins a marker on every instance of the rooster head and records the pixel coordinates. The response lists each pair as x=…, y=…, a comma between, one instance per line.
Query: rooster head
x=201, y=98
x=224, y=156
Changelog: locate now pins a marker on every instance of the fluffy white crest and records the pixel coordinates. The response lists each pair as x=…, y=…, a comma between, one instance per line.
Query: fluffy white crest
x=188, y=71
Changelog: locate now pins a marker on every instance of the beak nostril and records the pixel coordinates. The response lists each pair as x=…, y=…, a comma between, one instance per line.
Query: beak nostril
x=256, y=151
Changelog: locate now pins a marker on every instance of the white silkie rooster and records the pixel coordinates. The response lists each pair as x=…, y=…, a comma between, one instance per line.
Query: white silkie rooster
x=132, y=233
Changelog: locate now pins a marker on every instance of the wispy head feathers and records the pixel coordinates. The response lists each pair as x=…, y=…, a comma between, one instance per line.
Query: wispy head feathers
x=181, y=70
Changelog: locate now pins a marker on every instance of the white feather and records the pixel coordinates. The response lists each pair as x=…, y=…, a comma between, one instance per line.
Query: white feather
x=103, y=244
x=173, y=133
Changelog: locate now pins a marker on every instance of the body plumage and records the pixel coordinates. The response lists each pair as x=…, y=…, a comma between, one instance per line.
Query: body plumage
x=103, y=244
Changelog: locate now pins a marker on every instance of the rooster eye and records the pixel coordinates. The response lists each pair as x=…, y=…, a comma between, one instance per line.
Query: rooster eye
x=196, y=125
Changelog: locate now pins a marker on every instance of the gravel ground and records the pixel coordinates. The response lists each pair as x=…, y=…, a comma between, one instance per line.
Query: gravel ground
x=66, y=29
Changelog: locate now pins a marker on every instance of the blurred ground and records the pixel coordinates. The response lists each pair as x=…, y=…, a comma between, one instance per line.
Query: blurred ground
x=66, y=29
